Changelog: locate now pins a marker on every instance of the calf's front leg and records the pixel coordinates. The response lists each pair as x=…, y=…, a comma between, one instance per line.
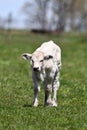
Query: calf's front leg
x=36, y=90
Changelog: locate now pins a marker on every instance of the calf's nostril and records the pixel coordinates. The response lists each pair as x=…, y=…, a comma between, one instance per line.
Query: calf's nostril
x=36, y=69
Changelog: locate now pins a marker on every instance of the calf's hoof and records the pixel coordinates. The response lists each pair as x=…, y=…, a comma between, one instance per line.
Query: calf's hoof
x=51, y=104
x=35, y=103
x=54, y=103
x=48, y=103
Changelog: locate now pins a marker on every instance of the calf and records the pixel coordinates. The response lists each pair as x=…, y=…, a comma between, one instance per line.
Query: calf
x=45, y=64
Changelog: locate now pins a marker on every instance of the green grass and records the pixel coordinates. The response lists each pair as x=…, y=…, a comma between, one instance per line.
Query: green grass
x=16, y=87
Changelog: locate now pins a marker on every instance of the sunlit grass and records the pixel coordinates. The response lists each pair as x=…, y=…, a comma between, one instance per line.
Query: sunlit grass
x=16, y=87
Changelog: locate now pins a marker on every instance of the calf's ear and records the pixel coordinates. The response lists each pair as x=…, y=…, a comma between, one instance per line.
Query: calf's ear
x=26, y=56
x=48, y=57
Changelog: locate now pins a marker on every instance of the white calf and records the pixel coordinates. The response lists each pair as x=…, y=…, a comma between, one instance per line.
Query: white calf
x=46, y=63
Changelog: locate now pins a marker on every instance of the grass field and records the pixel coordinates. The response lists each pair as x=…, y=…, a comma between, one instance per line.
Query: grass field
x=16, y=87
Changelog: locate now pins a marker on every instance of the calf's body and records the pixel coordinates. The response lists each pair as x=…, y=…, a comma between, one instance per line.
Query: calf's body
x=45, y=64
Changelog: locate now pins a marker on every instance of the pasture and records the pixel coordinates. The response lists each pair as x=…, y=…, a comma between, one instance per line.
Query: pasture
x=16, y=87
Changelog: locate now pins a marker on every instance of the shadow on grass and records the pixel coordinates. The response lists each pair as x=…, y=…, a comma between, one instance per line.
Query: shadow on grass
x=27, y=105
x=30, y=105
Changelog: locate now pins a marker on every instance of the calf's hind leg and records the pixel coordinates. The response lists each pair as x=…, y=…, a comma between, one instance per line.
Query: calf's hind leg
x=56, y=84
x=48, y=93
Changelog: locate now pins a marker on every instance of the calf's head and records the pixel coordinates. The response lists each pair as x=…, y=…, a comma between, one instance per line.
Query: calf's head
x=36, y=59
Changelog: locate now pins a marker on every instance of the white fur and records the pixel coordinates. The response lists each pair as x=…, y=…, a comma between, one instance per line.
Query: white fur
x=47, y=59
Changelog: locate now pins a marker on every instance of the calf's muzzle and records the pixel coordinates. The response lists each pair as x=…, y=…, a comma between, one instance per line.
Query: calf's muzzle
x=36, y=68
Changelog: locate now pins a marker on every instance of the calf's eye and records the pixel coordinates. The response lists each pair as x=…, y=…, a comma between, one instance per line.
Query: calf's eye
x=41, y=60
x=32, y=61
